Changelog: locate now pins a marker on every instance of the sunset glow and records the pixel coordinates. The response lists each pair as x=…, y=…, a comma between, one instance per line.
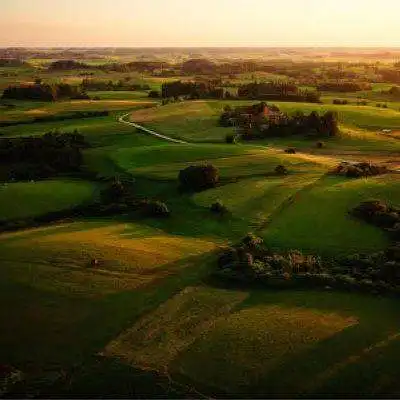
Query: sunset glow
x=204, y=23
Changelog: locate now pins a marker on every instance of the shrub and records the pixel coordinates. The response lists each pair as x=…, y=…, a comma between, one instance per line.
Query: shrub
x=198, y=177
x=281, y=170
x=359, y=170
x=252, y=241
x=228, y=258
x=116, y=192
x=290, y=150
x=9, y=376
x=154, y=94
x=231, y=138
x=218, y=208
x=156, y=209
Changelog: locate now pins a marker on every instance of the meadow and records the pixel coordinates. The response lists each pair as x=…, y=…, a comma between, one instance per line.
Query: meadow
x=148, y=321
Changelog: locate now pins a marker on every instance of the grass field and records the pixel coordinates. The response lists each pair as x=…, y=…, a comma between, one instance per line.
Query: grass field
x=28, y=199
x=198, y=121
x=147, y=321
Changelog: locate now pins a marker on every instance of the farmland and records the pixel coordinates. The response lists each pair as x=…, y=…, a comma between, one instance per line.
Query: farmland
x=125, y=303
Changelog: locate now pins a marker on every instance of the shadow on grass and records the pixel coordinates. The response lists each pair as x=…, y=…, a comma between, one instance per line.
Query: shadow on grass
x=62, y=333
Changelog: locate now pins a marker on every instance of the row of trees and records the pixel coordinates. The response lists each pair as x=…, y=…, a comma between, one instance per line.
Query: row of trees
x=192, y=90
x=312, y=125
x=277, y=90
x=98, y=84
x=343, y=86
x=34, y=157
x=44, y=92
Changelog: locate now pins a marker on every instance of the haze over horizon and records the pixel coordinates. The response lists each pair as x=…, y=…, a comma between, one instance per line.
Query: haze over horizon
x=210, y=23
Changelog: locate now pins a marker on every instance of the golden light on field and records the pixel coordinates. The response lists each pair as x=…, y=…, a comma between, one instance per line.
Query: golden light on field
x=206, y=23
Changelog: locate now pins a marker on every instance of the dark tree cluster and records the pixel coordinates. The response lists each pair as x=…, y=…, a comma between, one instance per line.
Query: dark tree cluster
x=360, y=170
x=277, y=91
x=342, y=87
x=44, y=92
x=12, y=62
x=67, y=65
x=103, y=85
x=57, y=117
x=196, y=178
x=32, y=157
x=192, y=90
x=313, y=125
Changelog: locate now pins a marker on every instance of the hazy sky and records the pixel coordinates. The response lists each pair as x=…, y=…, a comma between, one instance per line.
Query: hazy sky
x=199, y=23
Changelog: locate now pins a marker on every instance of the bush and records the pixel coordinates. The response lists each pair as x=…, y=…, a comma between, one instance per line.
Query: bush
x=231, y=138
x=116, y=192
x=290, y=150
x=156, y=209
x=154, y=94
x=359, y=170
x=198, y=177
x=281, y=170
x=218, y=208
x=252, y=241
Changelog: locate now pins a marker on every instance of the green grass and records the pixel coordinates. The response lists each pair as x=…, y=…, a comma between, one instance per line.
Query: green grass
x=149, y=303
x=247, y=344
x=317, y=220
x=29, y=110
x=120, y=95
x=198, y=121
x=28, y=199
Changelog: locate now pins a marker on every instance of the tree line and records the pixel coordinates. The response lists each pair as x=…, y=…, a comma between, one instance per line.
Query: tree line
x=45, y=92
x=37, y=157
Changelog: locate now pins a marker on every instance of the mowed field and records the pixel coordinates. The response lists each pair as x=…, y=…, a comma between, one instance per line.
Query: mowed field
x=147, y=320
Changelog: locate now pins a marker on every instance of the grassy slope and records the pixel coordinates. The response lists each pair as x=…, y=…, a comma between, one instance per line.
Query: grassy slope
x=276, y=344
x=27, y=199
x=198, y=121
x=143, y=305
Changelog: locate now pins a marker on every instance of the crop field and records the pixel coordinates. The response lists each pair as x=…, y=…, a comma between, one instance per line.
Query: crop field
x=127, y=303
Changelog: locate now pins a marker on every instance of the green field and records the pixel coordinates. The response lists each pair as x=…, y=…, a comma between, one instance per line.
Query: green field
x=29, y=199
x=148, y=321
x=198, y=121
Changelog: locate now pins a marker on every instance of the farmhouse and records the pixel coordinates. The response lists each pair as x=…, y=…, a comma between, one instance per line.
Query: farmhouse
x=257, y=113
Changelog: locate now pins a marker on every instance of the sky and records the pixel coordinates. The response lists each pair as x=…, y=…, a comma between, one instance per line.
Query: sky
x=207, y=23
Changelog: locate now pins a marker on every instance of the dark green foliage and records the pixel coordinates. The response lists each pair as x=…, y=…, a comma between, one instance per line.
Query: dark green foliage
x=277, y=90
x=57, y=117
x=343, y=87
x=198, y=177
x=340, y=102
x=193, y=90
x=281, y=170
x=218, y=208
x=231, y=138
x=44, y=92
x=156, y=209
x=378, y=213
x=67, y=65
x=154, y=94
x=35, y=157
x=109, y=85
x=358, y=170
x=252, y=241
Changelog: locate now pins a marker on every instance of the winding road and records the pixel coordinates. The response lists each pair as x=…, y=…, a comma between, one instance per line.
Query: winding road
x=123, y=120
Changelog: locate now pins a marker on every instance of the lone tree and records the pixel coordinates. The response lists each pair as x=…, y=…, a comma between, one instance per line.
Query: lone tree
x=198, y=177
